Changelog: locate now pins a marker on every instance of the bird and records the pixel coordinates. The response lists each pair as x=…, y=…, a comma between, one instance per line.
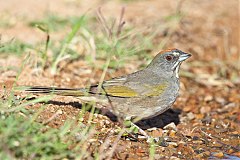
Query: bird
x=140, y=95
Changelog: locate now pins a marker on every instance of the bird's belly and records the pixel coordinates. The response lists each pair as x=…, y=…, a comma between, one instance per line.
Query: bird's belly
x=142, y=108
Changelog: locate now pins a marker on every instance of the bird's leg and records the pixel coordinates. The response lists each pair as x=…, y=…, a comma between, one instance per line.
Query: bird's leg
x=148, y=138
x=133, y=128
x=140, y=130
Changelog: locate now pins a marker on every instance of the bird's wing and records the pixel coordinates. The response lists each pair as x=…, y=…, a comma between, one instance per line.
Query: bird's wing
x=123, y=87
x=114, y=87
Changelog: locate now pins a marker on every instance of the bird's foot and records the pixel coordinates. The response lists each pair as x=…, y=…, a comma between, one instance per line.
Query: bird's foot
x=133, y=128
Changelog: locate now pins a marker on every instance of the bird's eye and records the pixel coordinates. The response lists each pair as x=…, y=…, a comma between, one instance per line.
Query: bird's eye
x=169, y=58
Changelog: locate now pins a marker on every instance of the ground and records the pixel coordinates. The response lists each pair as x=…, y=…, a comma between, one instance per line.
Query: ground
x=204, y=121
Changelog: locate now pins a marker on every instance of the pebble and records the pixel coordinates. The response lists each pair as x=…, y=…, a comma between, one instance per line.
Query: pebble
x=208, y=98
x=157, y=133
x=220, y=100
x=172, y=133
x=190, y=116
x=174, y=158
x=59, y=112
x=174, y=144
x=205, y=109
x=93, y=140
x=216, y=144
x=207, y=153
x=218, y=154
x=237, y=154
x=226, y=108
x=152, y=129
x=198, y=142
x=171, y=126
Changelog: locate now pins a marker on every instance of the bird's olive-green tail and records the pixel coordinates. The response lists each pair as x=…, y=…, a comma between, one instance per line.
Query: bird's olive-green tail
x=53, y=90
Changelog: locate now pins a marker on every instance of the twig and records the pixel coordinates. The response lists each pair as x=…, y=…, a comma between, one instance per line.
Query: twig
x=110, y=153
x=179, y=6
x=103, y=21
x=52, y=117
x=121, y=22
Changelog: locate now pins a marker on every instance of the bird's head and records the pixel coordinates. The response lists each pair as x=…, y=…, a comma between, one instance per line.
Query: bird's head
x=168, y=61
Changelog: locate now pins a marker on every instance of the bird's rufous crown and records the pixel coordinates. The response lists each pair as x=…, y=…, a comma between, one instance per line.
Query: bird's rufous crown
x=167, y=50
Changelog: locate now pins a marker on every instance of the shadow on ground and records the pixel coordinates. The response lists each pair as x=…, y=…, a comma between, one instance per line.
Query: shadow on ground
x=171, y=115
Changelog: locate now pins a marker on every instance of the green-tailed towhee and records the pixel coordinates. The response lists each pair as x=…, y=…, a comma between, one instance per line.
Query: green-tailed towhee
x=142, y=94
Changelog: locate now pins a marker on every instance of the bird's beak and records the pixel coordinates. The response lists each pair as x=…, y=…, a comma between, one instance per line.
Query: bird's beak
x=184, y=56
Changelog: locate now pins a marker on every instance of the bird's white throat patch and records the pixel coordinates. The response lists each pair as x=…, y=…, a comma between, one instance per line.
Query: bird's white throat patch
x=177, y=70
